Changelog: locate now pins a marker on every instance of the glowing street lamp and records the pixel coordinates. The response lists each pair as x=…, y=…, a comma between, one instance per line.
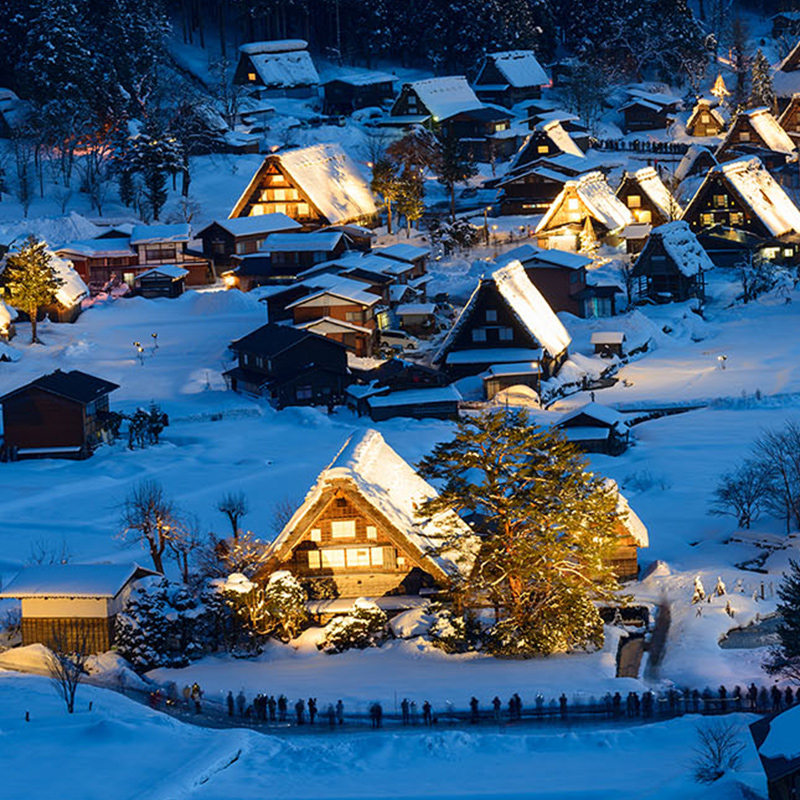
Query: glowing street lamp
x=139, y=352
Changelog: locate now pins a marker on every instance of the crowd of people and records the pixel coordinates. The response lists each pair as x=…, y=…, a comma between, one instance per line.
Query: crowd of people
x=263, y=708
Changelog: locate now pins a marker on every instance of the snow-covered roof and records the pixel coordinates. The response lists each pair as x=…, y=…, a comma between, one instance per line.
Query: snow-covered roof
x=789, y=63
x=258, y=223
x=7, y=315
x=629, y=518
x=393, y=488
x=598, y=198
x=512, y=369
x=531, y=308
x=403, y=252
x=767, y=127
x=689, y=157
x=415, y=309
x=445, y=97
x=652, y=185
x=761, y=192
x=520, y=68
x=607, y=337
x=436, y=394
x=92, y=248
x=494, y=355
x=73, y=289
x=561, y=139
x=165, y=232
x=342, y=292
x=73, y=580
x=283, y=63
x=301, y=242
x=326, y=325
x=172, y=271
x=532, y=256
x=362, y=77
x=703, y=106
x=597, y=411
x=683, y=248
x=659, y=100
x=332, y=181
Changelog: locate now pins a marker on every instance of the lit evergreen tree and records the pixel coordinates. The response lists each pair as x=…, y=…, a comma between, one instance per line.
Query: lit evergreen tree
x=548, y=526
x=410, y=200
x=762, y=92
x=30, y=281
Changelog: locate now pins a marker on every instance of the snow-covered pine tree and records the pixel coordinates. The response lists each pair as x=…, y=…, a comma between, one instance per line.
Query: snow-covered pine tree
x=699, y=593
x=30, y=281
x=762, y=92
x=784, y=659
x=548, y=528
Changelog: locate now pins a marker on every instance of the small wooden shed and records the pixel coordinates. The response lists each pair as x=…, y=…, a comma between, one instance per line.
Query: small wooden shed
x=73, y=607
x=166, y=281
x=608, y=343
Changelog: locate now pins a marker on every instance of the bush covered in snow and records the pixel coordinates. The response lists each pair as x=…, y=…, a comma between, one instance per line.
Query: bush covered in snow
x=364, y=626
x=169, y=624
x=455, y=633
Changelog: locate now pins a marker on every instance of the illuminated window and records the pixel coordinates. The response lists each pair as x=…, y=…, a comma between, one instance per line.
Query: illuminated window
x=343, y=528
x=401, y=561
x=736, y=218
x=376, y=554
x=314, y=560
x=720, y=201
x=251, y=76
x=744, y=136
x=644, y=215
x=302, y=210
x=634, y=201
x=280, y=194
x=543, y=148
x=316, y=535
x=705, y=118
x=572, y=204
x=501, y=126
x=372, y=532
x=358, y=557
x=332, y=558
x=788, y=252
x=706, y=220
x=280, y=208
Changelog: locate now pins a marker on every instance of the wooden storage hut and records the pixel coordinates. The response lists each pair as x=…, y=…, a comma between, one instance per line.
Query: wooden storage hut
x=73, y=607
x=166, y=281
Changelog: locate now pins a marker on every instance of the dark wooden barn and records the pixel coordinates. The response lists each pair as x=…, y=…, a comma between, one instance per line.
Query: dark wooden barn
x=166, y=281
x=757, y=129
x=647, y=111
x=289, y=367
x=672, y=265
x=57, y=415
x=510, y=77
x=356, y=89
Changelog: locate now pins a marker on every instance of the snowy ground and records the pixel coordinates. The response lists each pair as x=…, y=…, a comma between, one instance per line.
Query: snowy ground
x=122, y=750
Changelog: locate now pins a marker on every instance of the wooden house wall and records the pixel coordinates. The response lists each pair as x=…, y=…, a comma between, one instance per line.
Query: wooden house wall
x=409, y=104
x=565, y=215
x=717, y=204
x=304, y=259
x=646, y=210
x=624, y=559
x=447, y=409
x=705, y=124
x=658, y=274
x=89, y=635
x=390, y=568
x=312, y=350
x=343, y=310
x=276, y=192
x=640, y=118
x=741, y=132
x=538, y=145
x=35, y=418
x=529, y=194
x=312, y=387
x=557, y=285
x=342, y=97
x=790, y=119
x=490, y=300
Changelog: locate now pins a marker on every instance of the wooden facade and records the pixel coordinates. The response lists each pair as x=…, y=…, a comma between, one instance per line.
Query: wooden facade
x=289, y=367
x=60, y=414
x=359, y=332
x=224, y=240
x=89, y=635
x=640, y=204
x=789, y=120
x=746, y=135
x=659, y=277
x=644, y=115
x=343, y=95
x=276, y=192
x=531, y=192
x=705, y=120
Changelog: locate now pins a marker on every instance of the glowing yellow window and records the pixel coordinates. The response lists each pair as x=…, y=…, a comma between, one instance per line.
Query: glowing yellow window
x=251, y=76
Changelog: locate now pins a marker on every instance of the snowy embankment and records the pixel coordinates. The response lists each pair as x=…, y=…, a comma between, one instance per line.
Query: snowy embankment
x=123, y=750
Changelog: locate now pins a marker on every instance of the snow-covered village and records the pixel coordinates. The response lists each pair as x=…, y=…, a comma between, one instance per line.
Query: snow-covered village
x=400, y=399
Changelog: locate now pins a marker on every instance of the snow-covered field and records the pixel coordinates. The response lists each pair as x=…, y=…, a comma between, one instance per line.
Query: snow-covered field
x=123, y=750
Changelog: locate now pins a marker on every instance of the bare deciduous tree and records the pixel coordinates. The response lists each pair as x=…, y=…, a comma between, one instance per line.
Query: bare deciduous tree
x=150, y=517
x=234, y=506
x=183, y=542
x=43, y=551
x=779, y=454
x=66, y=669
x=742, y=493
x=718, y=751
